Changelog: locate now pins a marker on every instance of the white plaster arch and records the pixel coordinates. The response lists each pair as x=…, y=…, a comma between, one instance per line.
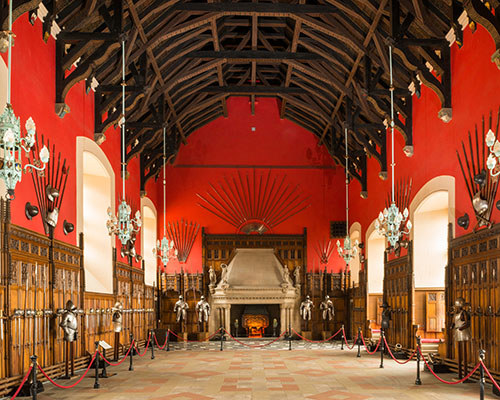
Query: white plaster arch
x=437, y=184
x=94, y=169
x=371, y=236
x=148, y=239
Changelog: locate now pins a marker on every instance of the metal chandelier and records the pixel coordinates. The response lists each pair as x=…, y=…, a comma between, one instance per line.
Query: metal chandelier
x=391, y=222
x=349, y=251
x=11, y=142
x=164, y=250
x=122, y=225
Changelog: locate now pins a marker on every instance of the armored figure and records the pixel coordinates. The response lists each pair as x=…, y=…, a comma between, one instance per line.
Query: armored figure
x=306, y=309
x=462, y=333
x=180, y=309
x=117, y=317
x=327, y=307
x=386, y=316
x=203, y=310
x=236, y=327
x=461, y=321
x=69, y=323
x=275, y=327
x=212, y=276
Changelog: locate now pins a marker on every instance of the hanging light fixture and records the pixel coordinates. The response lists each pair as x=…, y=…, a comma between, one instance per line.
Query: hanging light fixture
x=11, y=142
x=349, y=251
x=391, y=222
x=493, y=159
x=164, y=250
x=122, y=225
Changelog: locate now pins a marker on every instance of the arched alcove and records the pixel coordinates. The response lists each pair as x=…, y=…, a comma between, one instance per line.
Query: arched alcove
x=355, y=234
x=431, y=210
x=95, y=193
x=148, y=239
x=375, y=248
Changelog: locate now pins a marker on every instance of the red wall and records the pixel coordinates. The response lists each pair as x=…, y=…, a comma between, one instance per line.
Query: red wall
x=33, y=94
x=475, y=92
x=215, y=150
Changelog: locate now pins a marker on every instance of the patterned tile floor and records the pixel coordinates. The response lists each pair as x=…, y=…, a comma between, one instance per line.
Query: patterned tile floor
x=309, y=371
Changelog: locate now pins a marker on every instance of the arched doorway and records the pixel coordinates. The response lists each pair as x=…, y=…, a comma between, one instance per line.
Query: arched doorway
x=148, y=240
x=375, y=249
x=432, y=211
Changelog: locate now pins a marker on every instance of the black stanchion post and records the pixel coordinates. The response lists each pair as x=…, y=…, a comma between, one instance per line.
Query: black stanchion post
x=382, y=345
x=289, y=337
x=131, y=353
x=34, y=383
x=104, y=373
x=168, y=340
x=418, y=381
x=96, y=366
x=152, y=345
x=359, y=342
x=342, y=339
x=482, y=353
x=221, y=338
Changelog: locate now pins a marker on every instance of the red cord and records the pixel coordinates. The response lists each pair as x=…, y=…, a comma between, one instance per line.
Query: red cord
x=74, y=384
x=22, y=383
x=376, y=348
x=317, y=341
x=122, y=360
x=442, y=380
x=345, y=340
x=488, y=372
x=255, y=345
x=394, y=358
x=164, y=344
x=145, y=350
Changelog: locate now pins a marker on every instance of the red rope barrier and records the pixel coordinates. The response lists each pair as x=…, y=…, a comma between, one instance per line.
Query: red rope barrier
x=22, y=383
x=122, y=360
x=316, y=341
x=195, y=341
x=442, y=380
x=395, y=359
x=145, y=350
x=366, y=347
x=347, y=344
x=488, y=372
x=164, y=344
x=74, y=384
x=255, y=345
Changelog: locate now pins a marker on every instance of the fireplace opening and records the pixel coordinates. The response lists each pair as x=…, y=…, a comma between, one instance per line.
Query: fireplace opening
x=255, y=320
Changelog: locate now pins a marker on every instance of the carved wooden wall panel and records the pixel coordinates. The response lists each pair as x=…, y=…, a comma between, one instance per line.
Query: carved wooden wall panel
x=473, y=273
x=358, y=299
x=398, y=292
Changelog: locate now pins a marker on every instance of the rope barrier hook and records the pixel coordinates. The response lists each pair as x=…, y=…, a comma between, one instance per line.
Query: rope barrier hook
x=131, y=365
x=152, y=333
x=342, y=339
x=382, y=339
x=359, y=342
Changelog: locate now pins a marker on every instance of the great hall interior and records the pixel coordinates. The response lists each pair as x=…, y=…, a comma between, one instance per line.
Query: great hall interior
x=259, y=199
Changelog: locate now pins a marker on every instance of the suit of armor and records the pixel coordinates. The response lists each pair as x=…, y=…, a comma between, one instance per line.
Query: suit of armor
x=117, y=317
x=462, y=334
x=327, y=307
x=386, y=316
x=180, y=309
x=203, y=310
x=69, y=323
x=306, y=309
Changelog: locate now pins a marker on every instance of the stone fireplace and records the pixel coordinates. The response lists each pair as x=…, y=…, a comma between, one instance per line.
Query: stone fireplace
x=254, y=277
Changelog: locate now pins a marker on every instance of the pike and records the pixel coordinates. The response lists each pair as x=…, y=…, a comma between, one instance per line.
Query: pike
x=45, y=317
x=24, y=325
x=35, y=311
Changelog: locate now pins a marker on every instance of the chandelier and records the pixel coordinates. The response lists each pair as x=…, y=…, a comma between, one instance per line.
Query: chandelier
x=391, y=222
x=494, y=146
x=122, y=225
x=349, y=251
x=11, y=142
x=165, y=248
